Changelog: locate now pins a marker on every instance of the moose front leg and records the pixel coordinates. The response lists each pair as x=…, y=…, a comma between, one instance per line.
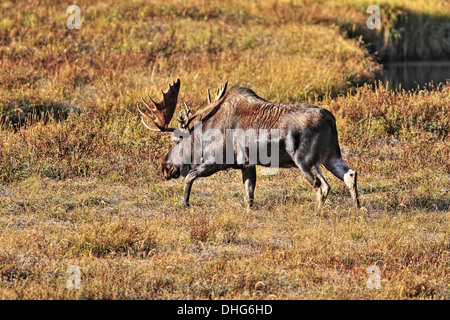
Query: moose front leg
x=249, y=180
x=203, y=170
x=187, y=190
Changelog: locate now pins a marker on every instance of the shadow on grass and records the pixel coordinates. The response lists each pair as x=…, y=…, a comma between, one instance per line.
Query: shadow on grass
x=19, y=113
x=404, y=35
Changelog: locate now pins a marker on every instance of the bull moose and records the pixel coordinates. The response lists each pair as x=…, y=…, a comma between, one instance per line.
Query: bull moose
x=306, y=137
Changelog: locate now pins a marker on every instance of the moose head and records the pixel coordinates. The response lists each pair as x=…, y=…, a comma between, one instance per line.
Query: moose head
x=173, y=165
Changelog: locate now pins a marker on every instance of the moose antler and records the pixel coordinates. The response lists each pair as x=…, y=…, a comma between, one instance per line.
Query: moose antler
x=162, y=110
x=221, y=91
x=219, y=94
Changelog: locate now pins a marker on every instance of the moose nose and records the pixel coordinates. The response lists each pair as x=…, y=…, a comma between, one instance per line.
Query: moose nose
x=175, y=173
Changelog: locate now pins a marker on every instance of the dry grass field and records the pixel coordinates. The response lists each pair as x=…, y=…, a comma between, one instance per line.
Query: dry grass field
x=79, y=174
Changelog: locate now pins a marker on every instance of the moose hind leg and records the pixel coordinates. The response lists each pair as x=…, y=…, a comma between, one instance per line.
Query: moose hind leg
x=323, y=188
x=249, y=180
x=314, y=176
x=338, y=167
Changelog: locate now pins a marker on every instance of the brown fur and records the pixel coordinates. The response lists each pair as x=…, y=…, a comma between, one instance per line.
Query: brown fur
x=308, y=138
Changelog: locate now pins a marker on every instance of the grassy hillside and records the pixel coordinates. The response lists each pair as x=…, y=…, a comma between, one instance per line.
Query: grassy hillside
x=79, y=174
x=410, y=30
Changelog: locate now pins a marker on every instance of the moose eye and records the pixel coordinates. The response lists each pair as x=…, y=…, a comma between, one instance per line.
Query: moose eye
x=175, y=139
x=179, y=134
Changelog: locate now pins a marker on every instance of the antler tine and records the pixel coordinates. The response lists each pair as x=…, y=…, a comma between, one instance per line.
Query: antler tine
x=154, y=103
x=189, y=112
x=143, y=113
x=170, y=87
x=148, y=127
x=159, y=119
x=151, y=109
x=148, y=117
x=221, y=91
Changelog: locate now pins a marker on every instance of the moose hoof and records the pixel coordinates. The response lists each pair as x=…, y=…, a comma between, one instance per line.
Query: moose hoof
x=184, y=203
x=249, y=207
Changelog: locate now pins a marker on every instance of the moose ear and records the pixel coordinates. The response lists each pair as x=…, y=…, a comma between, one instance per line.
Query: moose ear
x=183, y=118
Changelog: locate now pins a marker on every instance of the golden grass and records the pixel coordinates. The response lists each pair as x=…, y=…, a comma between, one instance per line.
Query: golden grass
x=130, y=245
x=80, y=180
